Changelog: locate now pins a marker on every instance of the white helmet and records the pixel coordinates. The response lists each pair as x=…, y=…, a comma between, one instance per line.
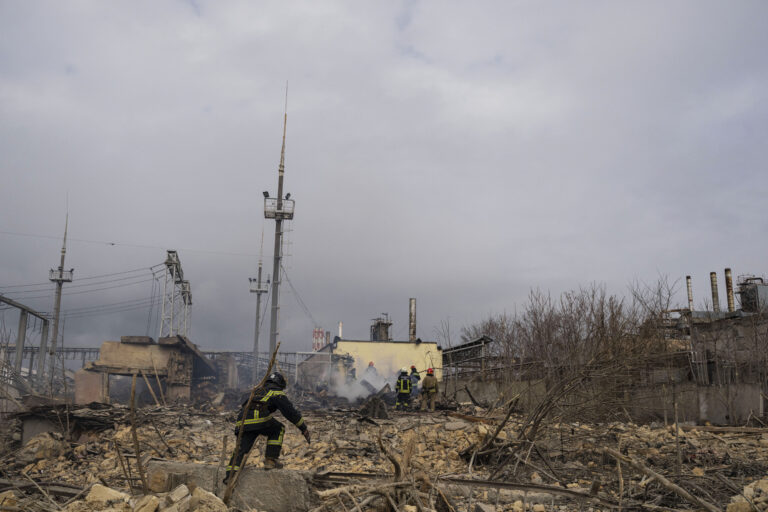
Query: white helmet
x=403, y=370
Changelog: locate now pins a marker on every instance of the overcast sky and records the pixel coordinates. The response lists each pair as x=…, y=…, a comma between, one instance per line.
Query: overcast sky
x=460, y=153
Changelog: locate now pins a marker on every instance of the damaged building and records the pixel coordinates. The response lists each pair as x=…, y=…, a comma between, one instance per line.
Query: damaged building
x=173, y=366
x=376, y=360
x=710, y=365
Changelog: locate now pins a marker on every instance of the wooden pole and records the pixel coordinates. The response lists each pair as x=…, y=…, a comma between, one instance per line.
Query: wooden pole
x=136, y=448
x=157, y=377
x=149, y=387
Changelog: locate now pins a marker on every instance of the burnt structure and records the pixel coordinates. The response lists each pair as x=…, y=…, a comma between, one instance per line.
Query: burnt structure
x=172, y=369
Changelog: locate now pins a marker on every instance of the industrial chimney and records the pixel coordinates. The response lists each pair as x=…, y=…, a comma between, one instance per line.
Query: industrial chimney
x=341, y=325
x=412, y=319
x=715, y=297
x=690, y=292
x=729, y=290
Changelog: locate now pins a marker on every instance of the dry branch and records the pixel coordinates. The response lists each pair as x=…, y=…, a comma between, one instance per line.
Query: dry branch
x=662, y=480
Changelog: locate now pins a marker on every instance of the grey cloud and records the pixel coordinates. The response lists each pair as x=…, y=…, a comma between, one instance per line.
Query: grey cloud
x=458, y=153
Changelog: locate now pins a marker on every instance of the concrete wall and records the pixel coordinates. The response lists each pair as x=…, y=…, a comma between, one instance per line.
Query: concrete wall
x=91, y=387
x=389, y=357
x=490, y=391
x=656, y=403
x=720, y=405
x=730, y=404
x=114, y=353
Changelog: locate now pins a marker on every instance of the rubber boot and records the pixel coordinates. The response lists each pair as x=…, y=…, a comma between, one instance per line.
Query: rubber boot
x=270, y=463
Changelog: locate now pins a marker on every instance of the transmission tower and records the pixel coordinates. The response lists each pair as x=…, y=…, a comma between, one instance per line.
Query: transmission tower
x=177, y=299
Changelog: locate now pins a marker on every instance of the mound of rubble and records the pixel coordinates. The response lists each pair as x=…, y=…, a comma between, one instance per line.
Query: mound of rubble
x=472, y=459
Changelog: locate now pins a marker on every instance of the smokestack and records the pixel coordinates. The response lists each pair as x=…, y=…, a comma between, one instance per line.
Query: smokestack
x=341, y=324
x=690, y=292
x=729, y=290
x=715, y=298
x=412, y=319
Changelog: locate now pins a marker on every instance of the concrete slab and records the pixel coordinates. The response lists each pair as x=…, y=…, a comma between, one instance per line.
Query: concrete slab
x=278, y=490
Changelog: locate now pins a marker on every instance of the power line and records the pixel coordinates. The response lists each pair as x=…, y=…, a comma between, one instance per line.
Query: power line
x=17, y=296
x=86, y=278
x=125, y=244
x=298, y=298
x=86, y=308
x=107, y=311
x=87, y=285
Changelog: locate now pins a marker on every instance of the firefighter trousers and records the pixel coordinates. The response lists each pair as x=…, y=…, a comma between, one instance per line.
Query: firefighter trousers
x=403, y=401
x=428, y=399
x=272, y=429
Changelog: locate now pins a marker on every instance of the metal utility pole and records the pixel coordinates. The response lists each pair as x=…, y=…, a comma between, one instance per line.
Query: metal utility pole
x=278, y=208
x=258, y=290
x=58, y=276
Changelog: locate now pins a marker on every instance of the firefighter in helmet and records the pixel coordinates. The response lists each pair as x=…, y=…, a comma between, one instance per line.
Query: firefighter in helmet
x=429, y=390
x=258, y=420
x=403, y=388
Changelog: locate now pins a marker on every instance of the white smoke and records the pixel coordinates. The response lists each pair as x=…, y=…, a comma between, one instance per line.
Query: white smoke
x=351, y=390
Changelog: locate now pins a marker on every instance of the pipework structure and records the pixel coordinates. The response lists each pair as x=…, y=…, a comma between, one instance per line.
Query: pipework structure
x=177, y=299
x=278, y=208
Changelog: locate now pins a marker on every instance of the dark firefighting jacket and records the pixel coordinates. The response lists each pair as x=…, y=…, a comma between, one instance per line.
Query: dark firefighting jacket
x=265, y=402
x=403, y=384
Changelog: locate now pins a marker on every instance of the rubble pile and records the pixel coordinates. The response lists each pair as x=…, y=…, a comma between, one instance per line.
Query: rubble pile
x=473, y=459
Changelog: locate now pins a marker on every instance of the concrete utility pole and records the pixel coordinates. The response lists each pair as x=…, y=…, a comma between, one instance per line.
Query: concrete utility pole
x=258, y=290
x=58, y=276
x=278, y=208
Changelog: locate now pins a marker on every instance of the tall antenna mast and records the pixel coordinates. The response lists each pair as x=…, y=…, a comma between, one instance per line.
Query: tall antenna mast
x=278, y=208
x=58, y=276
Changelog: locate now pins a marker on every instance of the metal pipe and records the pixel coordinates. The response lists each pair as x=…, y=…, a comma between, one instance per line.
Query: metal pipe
x=715, y=297
x=690, y=292
x=412, y=319
x=729, y=290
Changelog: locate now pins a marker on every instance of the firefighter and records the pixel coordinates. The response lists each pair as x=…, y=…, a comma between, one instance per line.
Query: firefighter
x=403, y=388
x=429, y=390
x=415, y=378
x=258, y=420
x=370, y=372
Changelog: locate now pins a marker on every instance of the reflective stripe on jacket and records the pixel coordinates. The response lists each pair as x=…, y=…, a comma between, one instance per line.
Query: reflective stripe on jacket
x=265, y=402
x=403, y=385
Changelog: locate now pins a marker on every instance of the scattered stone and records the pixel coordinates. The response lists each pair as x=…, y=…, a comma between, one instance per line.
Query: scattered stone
x=204, y=501
x=177, y=494
x=9, y=499
x=452, y=426
x=739, y=506
x=43, y=446
x=99, y=493
x=148, y=503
